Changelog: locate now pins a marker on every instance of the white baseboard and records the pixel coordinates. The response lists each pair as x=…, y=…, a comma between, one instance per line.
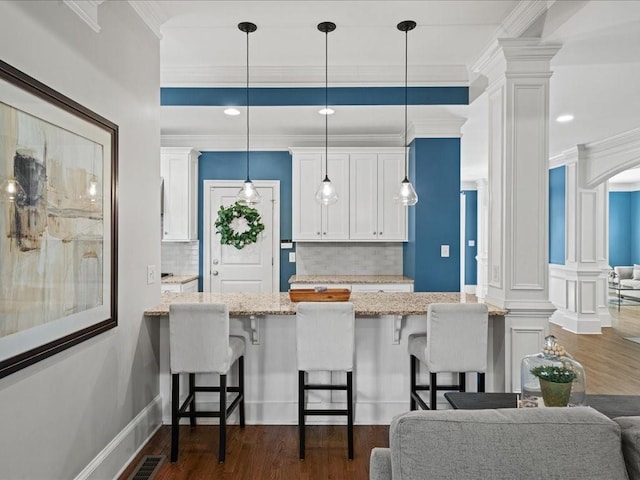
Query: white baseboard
x=120, y=451
x=470, y=289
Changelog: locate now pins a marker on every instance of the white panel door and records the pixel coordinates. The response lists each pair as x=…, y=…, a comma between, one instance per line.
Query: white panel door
x=392, y=215
x=363, y=215
x=249, y=269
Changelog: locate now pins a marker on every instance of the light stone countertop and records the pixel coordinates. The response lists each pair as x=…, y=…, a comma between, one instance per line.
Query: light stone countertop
x=372, y=279
x=366, y=304
x=179, y=278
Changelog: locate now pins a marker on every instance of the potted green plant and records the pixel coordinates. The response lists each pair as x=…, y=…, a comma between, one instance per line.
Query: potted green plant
x=555, y=383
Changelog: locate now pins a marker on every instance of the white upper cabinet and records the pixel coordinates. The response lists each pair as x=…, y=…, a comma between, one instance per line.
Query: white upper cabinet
x=311, y=220
x=375, y=215
x=179, y=170
x=366, y=180
x=392, y=215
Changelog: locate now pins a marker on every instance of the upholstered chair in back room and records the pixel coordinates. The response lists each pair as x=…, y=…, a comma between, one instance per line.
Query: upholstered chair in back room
x=199, y=342
x=455, y=342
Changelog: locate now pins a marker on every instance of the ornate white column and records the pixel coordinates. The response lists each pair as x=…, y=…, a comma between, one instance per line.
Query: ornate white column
x=482, y=256
x=579, y=287
x=518, y=72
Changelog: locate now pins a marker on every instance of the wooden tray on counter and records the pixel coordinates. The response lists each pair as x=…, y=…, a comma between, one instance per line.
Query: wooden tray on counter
x=328, y=295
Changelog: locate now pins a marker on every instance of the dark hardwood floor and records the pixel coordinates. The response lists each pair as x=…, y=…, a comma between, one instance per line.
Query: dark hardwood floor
x=270, y=452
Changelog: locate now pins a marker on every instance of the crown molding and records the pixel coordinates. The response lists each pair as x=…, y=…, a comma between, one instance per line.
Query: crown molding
x=87, y=10
x=519, y=20
x=436, y=128
x=277, y=142
x=523, y=16
x=288, y=75
x=152, y=14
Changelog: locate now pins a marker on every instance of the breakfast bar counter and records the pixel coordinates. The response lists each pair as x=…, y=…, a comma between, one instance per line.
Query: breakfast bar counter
x=384, y=322
x=365, y=304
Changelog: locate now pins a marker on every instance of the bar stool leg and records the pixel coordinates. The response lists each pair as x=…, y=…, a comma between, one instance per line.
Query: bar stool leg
x=301, y=408
x=241, y=389
x=413, y=361
x=175, y=398
x=462, y=381
x=350, y=414
x=192, y=394
x=481, y=382
x=223, y=419
x=433, y=389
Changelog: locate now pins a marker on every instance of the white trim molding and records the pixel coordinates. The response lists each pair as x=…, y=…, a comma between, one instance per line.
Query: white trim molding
x=87, y=10
x=152, y=14
x=436, y=128
x=116, y=456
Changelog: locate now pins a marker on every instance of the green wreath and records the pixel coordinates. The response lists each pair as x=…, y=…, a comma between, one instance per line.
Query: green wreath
x=228, y=236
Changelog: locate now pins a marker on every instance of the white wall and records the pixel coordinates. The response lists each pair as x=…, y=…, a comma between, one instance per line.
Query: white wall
x=57, y=415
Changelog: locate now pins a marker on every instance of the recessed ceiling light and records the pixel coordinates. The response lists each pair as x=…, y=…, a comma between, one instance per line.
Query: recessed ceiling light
x=326, y=111
x=231, y=111
x=564, y=118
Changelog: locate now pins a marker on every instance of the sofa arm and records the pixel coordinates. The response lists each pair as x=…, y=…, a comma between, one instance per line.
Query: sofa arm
x=630, y=431
x=380, y=464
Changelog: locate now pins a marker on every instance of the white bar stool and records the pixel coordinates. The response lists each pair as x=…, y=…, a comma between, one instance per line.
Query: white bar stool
x=325, y=341
x=199, y=342
x=456, y=341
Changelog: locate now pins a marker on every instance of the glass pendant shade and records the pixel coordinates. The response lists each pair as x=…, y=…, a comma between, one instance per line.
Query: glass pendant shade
x=248, y=194
x=406, y=194
x=11, y=191
x=326, y=193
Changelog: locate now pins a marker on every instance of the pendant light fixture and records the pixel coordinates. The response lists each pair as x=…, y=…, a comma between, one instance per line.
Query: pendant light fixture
x=406, y=195
x=326, y=193
x=248, y=195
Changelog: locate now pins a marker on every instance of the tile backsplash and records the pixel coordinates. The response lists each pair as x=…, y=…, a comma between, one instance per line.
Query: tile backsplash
x=180, y=258
x=349, y=258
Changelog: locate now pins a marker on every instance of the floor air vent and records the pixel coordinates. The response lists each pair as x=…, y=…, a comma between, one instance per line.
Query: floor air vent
x=147, y=468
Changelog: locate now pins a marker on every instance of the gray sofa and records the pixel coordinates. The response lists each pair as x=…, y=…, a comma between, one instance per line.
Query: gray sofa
x=576, y=443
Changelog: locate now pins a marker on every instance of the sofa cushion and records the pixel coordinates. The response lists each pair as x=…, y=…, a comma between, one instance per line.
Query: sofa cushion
x=554, y=443
x=624, y=272
x=630, y=429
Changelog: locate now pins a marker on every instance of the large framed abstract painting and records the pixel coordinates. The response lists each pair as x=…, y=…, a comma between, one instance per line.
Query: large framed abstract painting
x=58, y=222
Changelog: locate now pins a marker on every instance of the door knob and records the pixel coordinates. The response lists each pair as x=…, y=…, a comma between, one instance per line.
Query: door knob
x=215, y=262
x=214, y=273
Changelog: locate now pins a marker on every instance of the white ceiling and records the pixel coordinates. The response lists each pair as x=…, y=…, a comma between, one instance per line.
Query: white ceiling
x=596, y=73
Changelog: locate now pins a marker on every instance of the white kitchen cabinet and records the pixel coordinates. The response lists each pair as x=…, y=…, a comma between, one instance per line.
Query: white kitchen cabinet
x=374, y=181
x=366, y=179
x=296, y=286
x=312, y=221
x=381, y=287
x=186, y=287
x=179, y=170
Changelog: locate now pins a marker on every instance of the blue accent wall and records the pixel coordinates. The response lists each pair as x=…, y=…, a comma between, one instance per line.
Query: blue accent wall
x=622, y=224
x=557, y=215
x=281, y=96
x=264, y=166
x=470, y=233
x=435, y=219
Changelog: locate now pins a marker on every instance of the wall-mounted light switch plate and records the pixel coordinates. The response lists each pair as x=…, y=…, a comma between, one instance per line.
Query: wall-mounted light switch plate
x=292, y=257
x=151, y=274
x=444, y=250
x=472, y=243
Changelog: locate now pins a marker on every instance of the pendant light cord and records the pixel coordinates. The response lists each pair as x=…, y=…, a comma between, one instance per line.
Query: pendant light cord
x=406, y=63
x=247, y=91
x=326, y=106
